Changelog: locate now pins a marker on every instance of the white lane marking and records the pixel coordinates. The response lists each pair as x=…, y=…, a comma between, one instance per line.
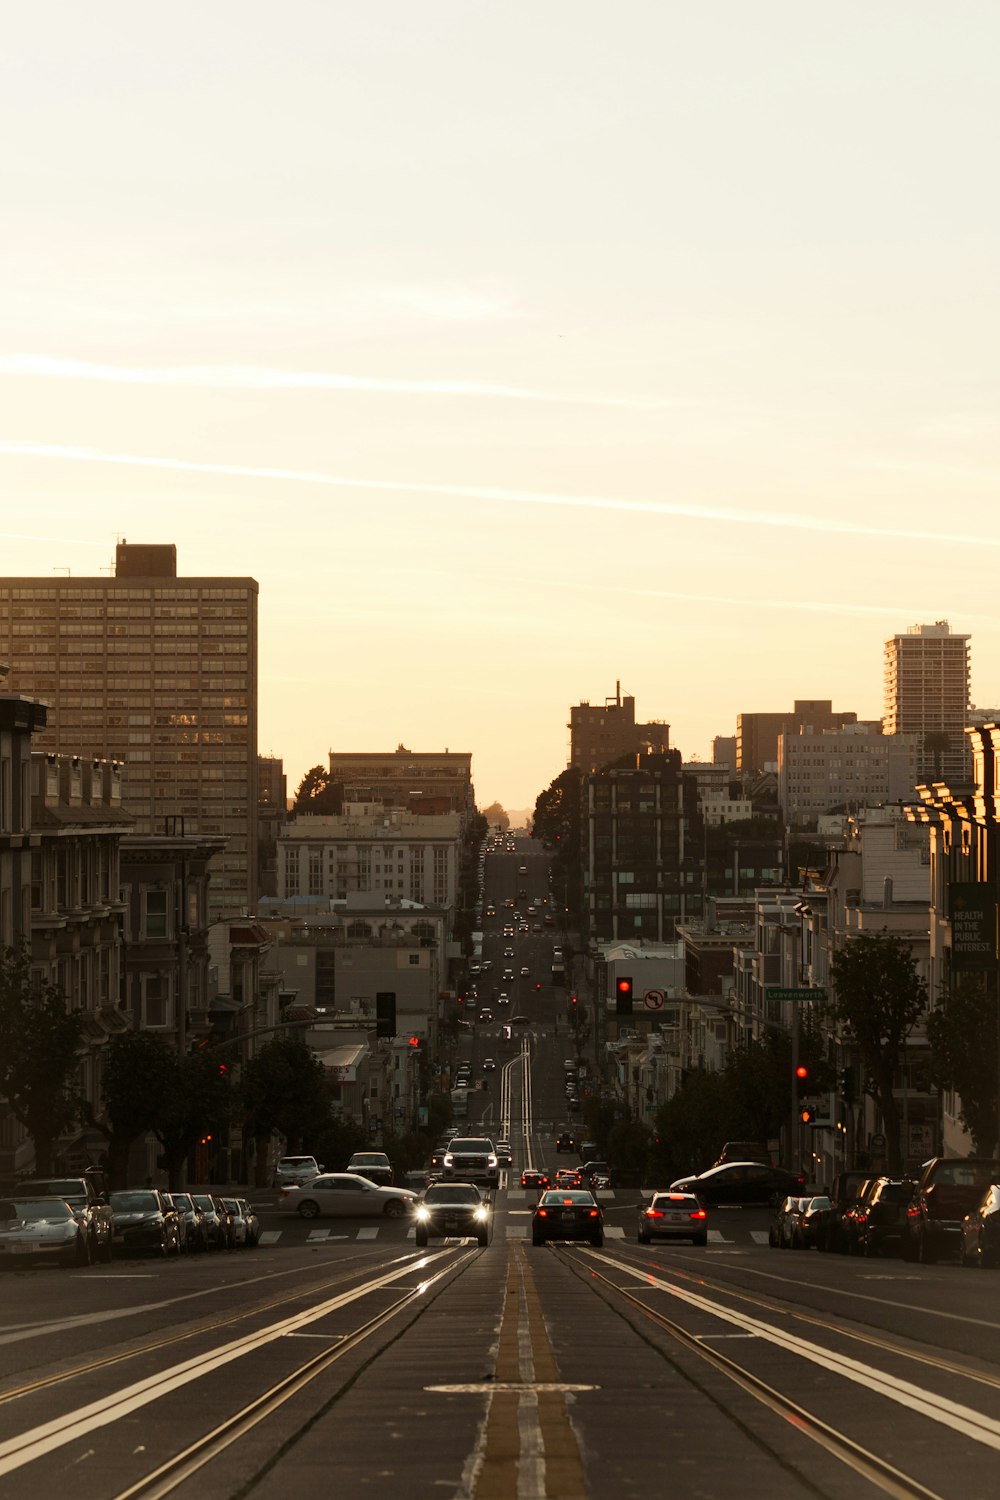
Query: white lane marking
x=614, y=1232
x=716, y=1237
x=964, y=1419
x=368, y=1233
x=317, y=1234
x=269, y=1237
x=27, y=1446
x=760, y=1236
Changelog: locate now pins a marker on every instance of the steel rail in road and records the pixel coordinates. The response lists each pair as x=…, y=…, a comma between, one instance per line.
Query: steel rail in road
x=45, y=1438
x=965, y=1421
x=206, y=1326
x=936, y=1360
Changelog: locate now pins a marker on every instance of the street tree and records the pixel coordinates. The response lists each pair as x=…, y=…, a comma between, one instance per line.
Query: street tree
x=284, y=1092
x=495, y=816
x=556, y=823
x=139, y=1073
x=317, y=793
x=39, y=1055
x=197, y=1102
x=877, y=997
x=962, y=1033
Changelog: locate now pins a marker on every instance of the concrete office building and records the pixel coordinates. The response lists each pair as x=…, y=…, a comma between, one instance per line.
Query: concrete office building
x=926, y=681
x=158, y=672
x=435, y=781
x=850, y=768
x=757, y=734
x=600, y=734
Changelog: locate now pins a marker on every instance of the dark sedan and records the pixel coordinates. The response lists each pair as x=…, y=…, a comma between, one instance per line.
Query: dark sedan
x=981, y=1231
x=452, y=1208
x=572, y=1215
x=535, y=1177
x=144, y=1220
x=742, y=1182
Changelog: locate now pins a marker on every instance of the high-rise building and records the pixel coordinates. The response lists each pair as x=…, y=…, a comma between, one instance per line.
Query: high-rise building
x=600, y=734
x=843, y=769
x=158, y=672
x=927, y=693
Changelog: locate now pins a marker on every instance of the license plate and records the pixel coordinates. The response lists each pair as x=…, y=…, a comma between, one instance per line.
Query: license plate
x=21, y=1249
x=451, y=1223
x=118, y=1239
x=568, y=1215
x=676, y=1218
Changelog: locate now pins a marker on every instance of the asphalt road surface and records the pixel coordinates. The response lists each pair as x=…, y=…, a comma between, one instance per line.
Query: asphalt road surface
x=337, y=1358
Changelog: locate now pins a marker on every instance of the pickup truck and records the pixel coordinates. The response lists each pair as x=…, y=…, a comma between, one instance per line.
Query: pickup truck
x=87, y=1198
x=947, y=1189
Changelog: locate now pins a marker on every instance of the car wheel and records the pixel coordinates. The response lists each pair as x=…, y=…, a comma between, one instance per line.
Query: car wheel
x=395, y=1209
x=537, y=1239
x=420, y=1238
x=926, y=1255
x=597, y=1240
x=309, y=1209
x=701, y=1239
x=965, y=1258
x=106, y=1250
x=643, y=1237
x=484, y=1239
x=83, y=1251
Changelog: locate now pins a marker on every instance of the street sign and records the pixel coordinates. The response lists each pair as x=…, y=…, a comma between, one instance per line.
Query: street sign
x=654, y=999
x=776, y=992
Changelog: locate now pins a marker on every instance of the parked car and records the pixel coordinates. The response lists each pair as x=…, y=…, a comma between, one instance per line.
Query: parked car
x=145, y=1220
x=39, y=1229
x=215, y=1217
x=811, y=1217
x=293, y=1170
x=981, y=1231
x=345, y=1195
x=784, y=1217
x=234, y=1208
x=192, y=1221
x=673, y=1216
x=567, y=1215
x=87, y=1198
x=252, y=1222
x=947, y=1189
x=452, y=1208
x=742, y=1182
x=743, y=1151
x=830, y=1230
x=374, y=1165
x=879, y=1220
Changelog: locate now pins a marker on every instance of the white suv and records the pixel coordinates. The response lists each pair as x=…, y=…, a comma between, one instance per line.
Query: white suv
x=472, y=1159
x=296, y=1171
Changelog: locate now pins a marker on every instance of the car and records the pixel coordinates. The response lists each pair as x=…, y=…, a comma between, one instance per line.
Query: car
x=508, y=953
x=452, y=1208
x=590, y=1150
x=252, y=1222
x=524, y=971
x=673, y=1216
x=531, y=911
x=947, y=1189
x=144, y=1220
x=486, y=1014
x=475, y=967
x=508, y=932
x=520, y=1021
x=472, y=1159
x=489, y=1064
x=566, y=1141
x=830, y=1226
x=234, y=1206
x=597, y=1173
x=567, y=1215
x=784, y=1217
x=880, y=1221
x=87, y=1198
x=503, y=998
x=217, y=1221
x=535, y=1177
x=487, y=965
x=504, y=1153
x=345, y=1195
x=536, y=926
x=548, y=920
x=742, y=1151
x=522, y=869
x=507, y=976
x=812, y=1217
x=42, y=1229
x=191, y=1217
x=569, y=1177
x=981, y=1231
x=292, y=1171
x=374, y=1165
x=741, y=1182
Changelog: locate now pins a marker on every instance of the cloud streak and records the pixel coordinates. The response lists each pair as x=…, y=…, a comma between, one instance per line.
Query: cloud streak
x=680, y=510
x=264, y=378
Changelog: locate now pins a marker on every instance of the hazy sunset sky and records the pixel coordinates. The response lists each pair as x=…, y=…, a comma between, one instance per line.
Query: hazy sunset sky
x=514, y=348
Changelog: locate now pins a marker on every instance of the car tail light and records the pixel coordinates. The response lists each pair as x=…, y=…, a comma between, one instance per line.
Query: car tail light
x=594, y=1212
x=543, y=1213
x=698, y=1213
x=654, y=1213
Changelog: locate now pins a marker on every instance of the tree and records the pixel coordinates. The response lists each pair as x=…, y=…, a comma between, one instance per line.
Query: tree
x=39, y=1055
x=877, y=998
x=196, y=1102
x=963, y=1037
x=284, y=1092
x=557, y=823
x=139, y=1072
x=495, y=815
x=317, y=793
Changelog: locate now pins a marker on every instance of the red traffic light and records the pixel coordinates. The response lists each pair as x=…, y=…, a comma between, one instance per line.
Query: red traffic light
x=223, y=1070
x=414, y=1041
x=572, y=1000
x=802, y=1071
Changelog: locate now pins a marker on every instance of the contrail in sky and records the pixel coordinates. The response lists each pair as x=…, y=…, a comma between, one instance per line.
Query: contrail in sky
x=261, y=378
x=790, y=522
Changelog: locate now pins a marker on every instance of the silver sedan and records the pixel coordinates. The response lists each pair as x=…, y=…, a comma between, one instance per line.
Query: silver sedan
x=344, y=1195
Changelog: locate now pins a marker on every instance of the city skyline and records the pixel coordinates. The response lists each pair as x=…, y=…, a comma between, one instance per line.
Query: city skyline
x=515, y=355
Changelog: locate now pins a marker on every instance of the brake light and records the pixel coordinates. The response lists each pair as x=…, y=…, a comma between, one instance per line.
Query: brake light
x=654, y=1213
x=594, y=1212
x=698, y=1213
x=543, y=1213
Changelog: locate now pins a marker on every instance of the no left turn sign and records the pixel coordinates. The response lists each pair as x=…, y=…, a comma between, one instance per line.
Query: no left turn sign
x=653, y=999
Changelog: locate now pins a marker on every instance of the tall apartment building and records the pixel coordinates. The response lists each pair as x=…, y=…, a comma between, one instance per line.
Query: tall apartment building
x=158, y=672
x=20, y=718
x=926, y=681
x=600, y=734
x=435, y=780
x=757, y=734
x=854, y=767
x=642, y=851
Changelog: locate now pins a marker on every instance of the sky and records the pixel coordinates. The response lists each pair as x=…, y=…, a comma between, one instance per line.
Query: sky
x=515, y=350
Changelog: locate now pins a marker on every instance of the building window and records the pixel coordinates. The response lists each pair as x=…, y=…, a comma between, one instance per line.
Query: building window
x=154, y=917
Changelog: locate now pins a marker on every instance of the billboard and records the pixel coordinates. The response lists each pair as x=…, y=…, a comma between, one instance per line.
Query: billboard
x=973, y=911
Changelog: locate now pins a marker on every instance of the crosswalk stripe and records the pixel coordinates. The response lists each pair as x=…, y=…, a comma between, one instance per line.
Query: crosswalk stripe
x=368, y=1234
x=716, y=1237
x=760, y=1236
x=318, y=1234
x=269, y=1237
x=614, y=1232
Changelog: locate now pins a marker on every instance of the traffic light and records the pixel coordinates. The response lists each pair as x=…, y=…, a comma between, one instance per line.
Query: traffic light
x=807, y=1114
x=538, y=984
x=573, y=1002
x=846, y=1084
x=223, y=1070
x=623, y=997
x=385, y=1013
x=802, y=1072
x=414, y=1043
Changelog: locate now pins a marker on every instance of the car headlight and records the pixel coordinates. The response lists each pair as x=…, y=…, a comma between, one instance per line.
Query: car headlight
x=449, y=1160
x=492, y=1161
x=482, y=1214
x=423, y=1213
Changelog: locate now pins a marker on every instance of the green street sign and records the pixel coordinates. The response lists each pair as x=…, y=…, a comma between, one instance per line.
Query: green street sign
x=774, y=992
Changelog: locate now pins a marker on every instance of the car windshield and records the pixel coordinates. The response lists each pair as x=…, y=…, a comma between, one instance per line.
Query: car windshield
x=31, y=1212
x=204, y=1202
x=292, y=1163
x=675, y=1200
x=59, y=1187
x=370, y=1159
x=559, y=1196
x=183, y=1201
x=452, y=1193
x=472, y=1143
x=966, y=1173
x=135, y=1202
